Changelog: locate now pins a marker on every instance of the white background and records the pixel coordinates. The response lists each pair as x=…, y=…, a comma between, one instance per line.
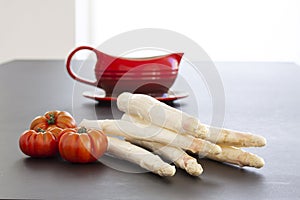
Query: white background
x=231, y=30
x=36, y=29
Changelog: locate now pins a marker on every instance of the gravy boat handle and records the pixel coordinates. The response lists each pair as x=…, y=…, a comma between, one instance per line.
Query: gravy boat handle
x=70, y=70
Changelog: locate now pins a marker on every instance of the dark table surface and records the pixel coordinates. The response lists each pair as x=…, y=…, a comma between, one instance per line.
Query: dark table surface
x=262, y=98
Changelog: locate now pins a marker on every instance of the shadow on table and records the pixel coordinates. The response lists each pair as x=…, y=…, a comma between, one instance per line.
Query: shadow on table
x=216, y=177
x=230, y=172
x=61, y=167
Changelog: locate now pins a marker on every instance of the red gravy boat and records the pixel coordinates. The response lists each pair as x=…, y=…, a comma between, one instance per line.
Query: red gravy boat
x=150, y=75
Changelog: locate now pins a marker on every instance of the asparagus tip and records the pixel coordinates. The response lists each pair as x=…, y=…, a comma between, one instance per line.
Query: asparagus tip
x=123, y=100
x=194, y=168
x=262, y=141
x=255, y=141
x=216, y=149
x=258, y=162
x=167, y=170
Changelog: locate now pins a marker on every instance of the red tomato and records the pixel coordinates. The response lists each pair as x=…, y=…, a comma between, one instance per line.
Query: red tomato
x=38, y=144
x=56, y=131
x=81, y=145
x=52, y=119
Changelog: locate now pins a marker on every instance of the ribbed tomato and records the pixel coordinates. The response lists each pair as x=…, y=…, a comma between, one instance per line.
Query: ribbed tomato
x=81, y=145
x=56, y=131
x=38, y=143
x=51, y=119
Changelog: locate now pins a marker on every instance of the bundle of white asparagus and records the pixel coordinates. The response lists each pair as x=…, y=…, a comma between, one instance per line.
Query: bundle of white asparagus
x=168, y=132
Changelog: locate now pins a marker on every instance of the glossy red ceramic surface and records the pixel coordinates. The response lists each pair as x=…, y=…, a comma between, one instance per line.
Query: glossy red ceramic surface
x=141, y=75
x=137, y=73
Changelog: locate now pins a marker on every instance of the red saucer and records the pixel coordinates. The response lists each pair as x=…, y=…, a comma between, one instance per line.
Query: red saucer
x=100, y=96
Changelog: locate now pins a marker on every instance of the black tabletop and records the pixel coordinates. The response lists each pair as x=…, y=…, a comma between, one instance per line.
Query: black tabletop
x=262, y=98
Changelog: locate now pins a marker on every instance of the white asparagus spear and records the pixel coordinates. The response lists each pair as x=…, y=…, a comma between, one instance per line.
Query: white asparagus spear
x=160, y=114
x=179, y=157
x=219, y=136
x=229, y=154
x=145, y=159
x=151, y=110
x=235, y=138
x=237, y=156
x=152, y=133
